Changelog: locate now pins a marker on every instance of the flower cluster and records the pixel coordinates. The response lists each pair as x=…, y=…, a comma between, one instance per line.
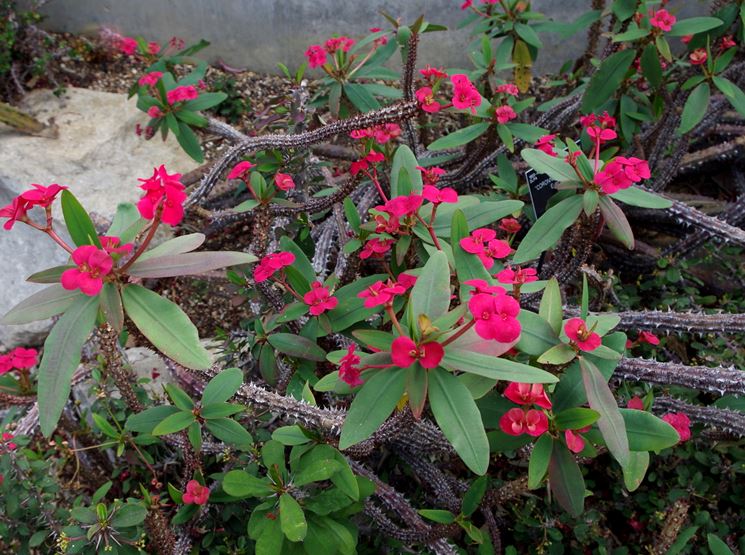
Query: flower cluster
x=165, y=192
x=483, y=243
x=195, y=494
x=383, y=292
x=181, y=94
x=662, y=20
x=465, y=94
x=284, y=181
x=382, y=133
x=40, y=196
x=150, y=79
x=93, y=265
x=7, y=444
x=241, y=170
x=271, y=264
x=349, y=371
x=621, y=173
x=524, y=420
x=19, y=358
x=319, y=299
x=405, y=352
x=494, y=312
x=681, y=423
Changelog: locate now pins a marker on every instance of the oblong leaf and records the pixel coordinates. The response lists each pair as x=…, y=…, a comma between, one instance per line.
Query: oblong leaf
x=495, y=367
x=540, y=457
x=177, y=245
x=229, y=431
x=695, y=108
x=607, y=79
x=166, y=326
x=556, y=168
x=548, y=229
x=634, y=196
x=460, y=137
x=240, y=483
x=291, y=518
x=296, y=346
x=79, y=224
x=188, y=263
x=566, y=481
x=43, y=304
x=50, y=275
x=617, y=222
x=646, y=432
x=222, y=387
x=175, y=423
x=694, y=25
x=145, y=421
x=431, y=292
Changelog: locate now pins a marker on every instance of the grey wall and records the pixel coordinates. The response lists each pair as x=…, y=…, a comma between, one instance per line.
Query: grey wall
x=257, y=34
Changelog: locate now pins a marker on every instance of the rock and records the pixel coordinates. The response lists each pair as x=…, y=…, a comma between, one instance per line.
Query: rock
x=147, y=364
x=97, y=155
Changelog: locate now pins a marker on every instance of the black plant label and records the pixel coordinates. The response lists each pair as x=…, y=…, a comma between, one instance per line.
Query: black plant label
x=541, y=188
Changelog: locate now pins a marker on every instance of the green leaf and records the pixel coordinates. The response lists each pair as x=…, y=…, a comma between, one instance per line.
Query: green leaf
x=460, y=137
x=536, y=336
x=43, y=304
x=291, y=518
x=296, y=346
x=174, y=423
x=79, y=224
x=431, y=292
x=467, y=265
x=240, y=483
x=459, y=419
x=717, y=546
x=556, y=168
x=558, y=354
x=166, y=326
x=550, y=308
x=607, y=80
x=290, y=435
x=473, y=496
x=301, y=264
x=601, y=399
x=350, y=309
x=373, y=404
x=360, y=97
x=316, y=471
x=576, y=418
x=633, y=473
x=478, y=214
x=131, y=514
x=616, y=221
x=50, y=275
x=695, y=108
x=189, y=142
x=229, y=431
x=204, y=101
x=191, y=118
x=61, y=358
x=222, y=387
x=693, y=26
x=179, y=397
x=145, y=421
x=634, y=196
x=566, y=481
x=539, y=460
x=187, y=264
x=494, y=367
x=437, y=515
x=650, y=64
x=405, y=163
x=177, y=245
x=548, y=229
x=646, y=432
x=111, y=306
x=218, y=410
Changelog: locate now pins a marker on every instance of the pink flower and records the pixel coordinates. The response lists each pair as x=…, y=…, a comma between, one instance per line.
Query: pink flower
x=496, y=316
x=516, y=422
x=402, y=206
x=382, y=293
x=430, y=73
x=474, y=243
x=271, y=264
x=647, y=337
x=42, y=196
x=165, y=191
x=579, y=335
x=438, y=196
x=527, y=394
x=241, y=169
x=510, y=225
x=545, y=144
x=319, y=299
x=153, y=48
x=24, y=358
x=601, y=135
x=16, y=211
x=613, y=178
x=635, y=403
x=575, y=442
x=681, y=423
x=465, y=94
x=426, y=99
x=522, y=275
x=587, y=120
x=316, y=55
x=430, y=176
x=385, y=132
x=182, y=93
x=154, y=112
x=6, y=364
x=7, y=436
x=111, y=245
x=196, y=494
x=685, y=39
x=93, y=264
x=481, y=287
x=663, y=20
x=727, y=42
x=335, y=44
x=508, y=88
x=635, y=169
x=349, y=371
x=606, y=120
x=467, y=4
x=496, y=248
x=127, y=45
x=698, y=57
x=376, y=248
x=505, y=113
x=150, y=79
x=406, y=281
x=404, y=353
x=284, y=181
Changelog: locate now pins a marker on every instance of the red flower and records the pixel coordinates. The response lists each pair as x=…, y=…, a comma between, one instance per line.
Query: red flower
x=284, y=181
x=587, y=120
x=496, y=316
x=42, y=196
x=154, y=112
x=516, y=422
x=635, y=403
x=726, y=42
x=406, y=281
x=612, y=178
x=153, y=48
x=430, y=73
x=474, y=243
x=404, y=352
x=349, y=372
x=127, y=45
x=508, y=88
x=7, y=436
x=634, y=168
x=402, y=206
x=575, y=442
x=196, y=494
x=380, y=293
x=467, y=4
x=164, y=188
x=426, y=99
x=545, y=144
x=272, y=263
x=681, y=423
x=111, y=245
x=522, y=275
x=182, y=93
x=496, y=248
x=430, y=176
x=376, y=248
x=482, y=287
x=241, y=169
x=663, y=20
x=15, y=212
x=6, y=364
x=698, y=57
x=438, y=196
x=150, y=79
x=24, y=358
x=647, y=337
x=601, y=135
x=685, y=39
x=93, y=264
x=505, y=113
x=334, y=44
x=384, y=133
x=510, y=225
x=319, y=299
x=316, y=55
x=579, y=335
x=527, y=394
x=465, y=94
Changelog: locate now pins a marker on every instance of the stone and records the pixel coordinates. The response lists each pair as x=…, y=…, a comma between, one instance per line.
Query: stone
x=97, y=155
